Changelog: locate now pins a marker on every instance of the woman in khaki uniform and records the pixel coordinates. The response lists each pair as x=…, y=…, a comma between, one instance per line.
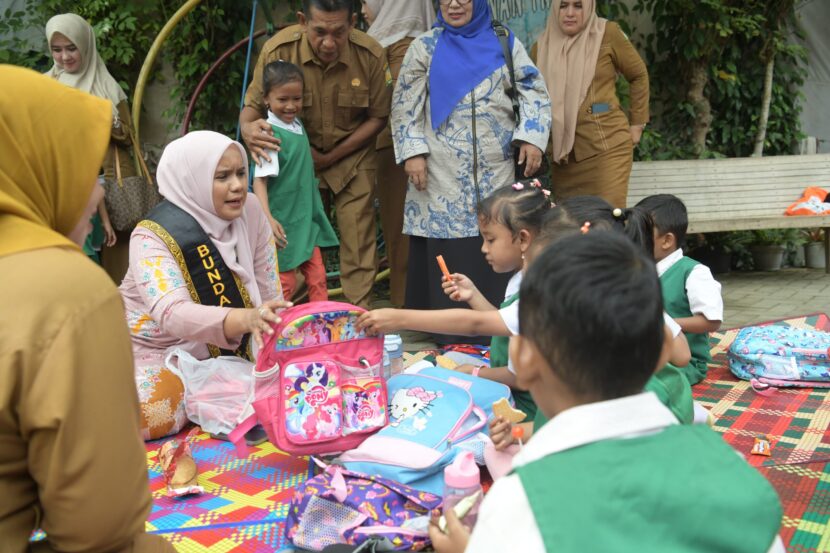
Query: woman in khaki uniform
x=77, y=64
x=394, y=25
x=580, y=56
x=71, y=460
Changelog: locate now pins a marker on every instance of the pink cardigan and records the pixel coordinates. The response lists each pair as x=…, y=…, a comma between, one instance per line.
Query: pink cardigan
x=159, y=309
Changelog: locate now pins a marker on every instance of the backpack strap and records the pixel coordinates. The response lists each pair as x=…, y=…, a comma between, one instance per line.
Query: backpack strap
x=503, y=34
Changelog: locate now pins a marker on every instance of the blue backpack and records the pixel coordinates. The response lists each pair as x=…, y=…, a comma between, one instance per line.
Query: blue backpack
x=781, y=355
x=433, y=415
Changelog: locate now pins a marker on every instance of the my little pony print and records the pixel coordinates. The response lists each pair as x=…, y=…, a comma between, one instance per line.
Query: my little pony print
x=312, y=400
x=363, y=405
x=319, y=328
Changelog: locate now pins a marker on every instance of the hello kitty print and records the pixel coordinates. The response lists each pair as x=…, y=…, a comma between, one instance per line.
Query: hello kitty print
x=409, y=408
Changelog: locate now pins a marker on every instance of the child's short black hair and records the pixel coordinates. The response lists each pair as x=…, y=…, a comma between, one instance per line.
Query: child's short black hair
x=516, y=206
x=278, y=73
x=669, y=214
x=592, y=306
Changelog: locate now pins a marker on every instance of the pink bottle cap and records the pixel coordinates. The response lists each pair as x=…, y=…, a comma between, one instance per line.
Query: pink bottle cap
x=463, y=472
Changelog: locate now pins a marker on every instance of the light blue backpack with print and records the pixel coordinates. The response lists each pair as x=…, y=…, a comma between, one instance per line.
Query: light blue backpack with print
x=432, y=417
x=781, y=355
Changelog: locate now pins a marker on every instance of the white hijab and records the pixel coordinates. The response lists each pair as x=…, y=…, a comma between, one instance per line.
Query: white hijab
x=93, y=76
x=396, y=19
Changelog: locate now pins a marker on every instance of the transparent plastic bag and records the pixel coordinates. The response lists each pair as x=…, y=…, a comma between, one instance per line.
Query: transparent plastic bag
x=218, y=392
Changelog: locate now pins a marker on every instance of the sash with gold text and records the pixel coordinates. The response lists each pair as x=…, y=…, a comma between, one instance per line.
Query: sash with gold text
x=208, y=278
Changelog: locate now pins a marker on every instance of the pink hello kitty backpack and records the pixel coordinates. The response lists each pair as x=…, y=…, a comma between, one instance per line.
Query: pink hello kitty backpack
x=318, y=382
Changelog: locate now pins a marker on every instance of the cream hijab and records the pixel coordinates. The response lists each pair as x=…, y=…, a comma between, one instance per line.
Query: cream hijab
x=185, y=179
x=93, y=76
x=45, y=178
x=396, y=19
x=568, y=64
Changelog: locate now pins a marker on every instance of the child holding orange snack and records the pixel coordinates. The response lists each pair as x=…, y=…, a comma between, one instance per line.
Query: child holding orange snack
x=509, y=219
x=612, y=470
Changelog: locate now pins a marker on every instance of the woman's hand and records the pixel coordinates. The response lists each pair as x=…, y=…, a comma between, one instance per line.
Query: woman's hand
x=256, y=320
x=259, y=137
x=416, y=169
x=279, y=233
x=459, y=287
x=456, y=538
x=636, y=133
x=321, y=160
x=531, y=157
x=109, y=234
x=378, y=321
x=501, y=432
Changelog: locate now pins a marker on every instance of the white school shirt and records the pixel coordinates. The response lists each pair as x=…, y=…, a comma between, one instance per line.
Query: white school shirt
x=702, y=290
x=505, y=519
x=510, y=314
x=272, y=168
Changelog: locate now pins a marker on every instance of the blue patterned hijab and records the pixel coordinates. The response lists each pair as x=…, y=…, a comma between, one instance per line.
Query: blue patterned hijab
x=464, y=56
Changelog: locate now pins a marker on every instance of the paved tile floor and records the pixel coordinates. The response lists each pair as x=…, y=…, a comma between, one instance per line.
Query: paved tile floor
x=749, y=297
x=753, y=297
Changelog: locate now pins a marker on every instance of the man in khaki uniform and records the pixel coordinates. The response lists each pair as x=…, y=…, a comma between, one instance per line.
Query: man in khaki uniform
x=346, y=102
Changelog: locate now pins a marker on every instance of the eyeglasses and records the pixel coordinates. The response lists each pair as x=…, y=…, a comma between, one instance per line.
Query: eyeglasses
x=448, y=2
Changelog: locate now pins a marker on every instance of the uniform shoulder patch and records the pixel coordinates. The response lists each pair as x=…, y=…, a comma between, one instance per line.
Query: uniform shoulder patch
x=292, y=33
x=363, y=40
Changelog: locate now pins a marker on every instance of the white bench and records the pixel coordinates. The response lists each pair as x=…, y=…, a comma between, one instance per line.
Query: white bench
x=737, y=193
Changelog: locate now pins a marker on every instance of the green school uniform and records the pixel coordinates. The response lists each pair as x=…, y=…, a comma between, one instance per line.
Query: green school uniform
x=498, y=358
x=294, y=201
x=672, y=388
x=676, y=304
x=95, y=239
x=682, y=490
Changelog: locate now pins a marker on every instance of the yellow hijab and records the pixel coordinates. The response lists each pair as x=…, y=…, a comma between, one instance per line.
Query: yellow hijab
x=53, y=139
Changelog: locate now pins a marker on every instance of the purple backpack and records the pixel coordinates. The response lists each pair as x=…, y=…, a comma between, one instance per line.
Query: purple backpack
x=341, y=506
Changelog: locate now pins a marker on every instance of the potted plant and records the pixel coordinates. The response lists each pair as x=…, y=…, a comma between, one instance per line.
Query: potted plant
x=767, y=248
x=716, y=250
x=814, y=249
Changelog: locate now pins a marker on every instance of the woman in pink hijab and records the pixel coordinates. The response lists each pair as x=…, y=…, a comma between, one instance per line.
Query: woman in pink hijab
x=202, y=275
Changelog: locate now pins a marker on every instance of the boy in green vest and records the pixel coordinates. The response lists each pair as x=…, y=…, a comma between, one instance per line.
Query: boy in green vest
x=691, y=295
x=612, y=470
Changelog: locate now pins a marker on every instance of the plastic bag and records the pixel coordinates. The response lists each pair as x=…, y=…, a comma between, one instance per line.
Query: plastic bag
x=218, y=392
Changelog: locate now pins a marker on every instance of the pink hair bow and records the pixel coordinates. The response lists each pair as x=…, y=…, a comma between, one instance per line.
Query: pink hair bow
x=421, y=394
x=518, y=186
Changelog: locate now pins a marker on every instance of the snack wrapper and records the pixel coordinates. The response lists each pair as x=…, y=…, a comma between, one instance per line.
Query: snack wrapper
x=178, y=466
x=762, y=446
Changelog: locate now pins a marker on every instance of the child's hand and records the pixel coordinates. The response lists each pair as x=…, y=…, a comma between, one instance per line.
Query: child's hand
x=279, y=233
x=456, y=538
x=501, y=432
x=466, y=368
x=378, y=321
x=459, y=288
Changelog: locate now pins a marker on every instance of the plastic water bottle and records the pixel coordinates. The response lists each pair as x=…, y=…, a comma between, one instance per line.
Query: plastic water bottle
x=462, y=487
x=392, y=355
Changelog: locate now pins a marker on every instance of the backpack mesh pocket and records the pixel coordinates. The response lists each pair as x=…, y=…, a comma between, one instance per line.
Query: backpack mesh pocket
x=324, y=522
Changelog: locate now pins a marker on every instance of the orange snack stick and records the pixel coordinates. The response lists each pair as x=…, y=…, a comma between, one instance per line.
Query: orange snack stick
x=762, y=446
x=443, y=265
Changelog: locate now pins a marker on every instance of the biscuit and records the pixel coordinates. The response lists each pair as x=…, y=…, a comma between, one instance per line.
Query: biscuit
x=502, y=408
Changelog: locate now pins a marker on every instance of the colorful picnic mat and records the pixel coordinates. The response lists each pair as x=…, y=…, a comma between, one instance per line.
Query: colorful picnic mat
x=245, y=501
x=796, y=420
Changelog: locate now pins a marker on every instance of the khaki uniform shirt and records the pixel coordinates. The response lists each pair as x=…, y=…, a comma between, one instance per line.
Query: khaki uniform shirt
x=71, y=459
x=599, y=132
x=120, y=141
x=336, y=99
x=394, y=55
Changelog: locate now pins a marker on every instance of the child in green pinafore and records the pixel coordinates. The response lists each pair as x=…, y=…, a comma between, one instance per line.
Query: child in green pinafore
x=287, y=188
x=612, y=470
x=508, y=219
x=691, y=294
